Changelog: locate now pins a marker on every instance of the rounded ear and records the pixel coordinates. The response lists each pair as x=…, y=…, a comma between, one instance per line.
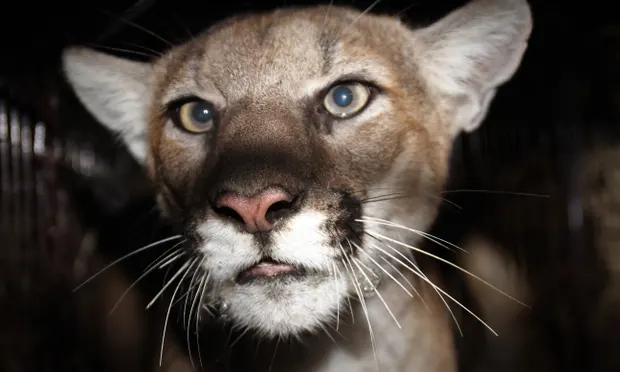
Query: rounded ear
x=465, y=56
x=116, y=91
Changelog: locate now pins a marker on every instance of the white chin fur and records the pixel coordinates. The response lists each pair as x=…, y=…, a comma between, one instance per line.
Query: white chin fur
x=278, y=308
x=286, y=309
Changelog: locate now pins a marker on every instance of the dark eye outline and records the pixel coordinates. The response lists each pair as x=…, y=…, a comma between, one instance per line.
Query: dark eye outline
x=372, y=88
x=174, y=112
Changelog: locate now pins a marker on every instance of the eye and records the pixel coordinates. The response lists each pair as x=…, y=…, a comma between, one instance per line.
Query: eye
x=346, y=100
x=196, y=116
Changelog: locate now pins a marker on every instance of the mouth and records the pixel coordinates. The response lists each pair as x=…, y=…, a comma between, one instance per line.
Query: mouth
x=268, y=269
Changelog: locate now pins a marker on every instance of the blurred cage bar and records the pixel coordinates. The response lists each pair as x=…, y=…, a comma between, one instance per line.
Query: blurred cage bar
x=43, y=240
x=67, y=195
x=36, y=207
x=59, y=188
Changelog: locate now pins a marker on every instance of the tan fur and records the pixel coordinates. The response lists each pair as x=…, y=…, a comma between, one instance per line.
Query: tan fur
x=439, y=347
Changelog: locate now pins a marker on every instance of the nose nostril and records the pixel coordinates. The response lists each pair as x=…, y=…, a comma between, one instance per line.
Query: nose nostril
x=230, y=213
x=278, y=210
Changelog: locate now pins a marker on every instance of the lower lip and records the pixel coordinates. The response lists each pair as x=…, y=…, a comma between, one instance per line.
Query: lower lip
x=266, y=269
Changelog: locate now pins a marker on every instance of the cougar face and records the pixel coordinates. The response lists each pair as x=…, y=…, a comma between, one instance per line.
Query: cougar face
x=282, y=141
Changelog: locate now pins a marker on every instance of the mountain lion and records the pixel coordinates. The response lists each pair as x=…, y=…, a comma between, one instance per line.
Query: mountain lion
x=278, y=143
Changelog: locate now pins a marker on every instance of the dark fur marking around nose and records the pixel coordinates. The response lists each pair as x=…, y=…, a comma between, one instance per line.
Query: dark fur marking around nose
x=259, y=212
x=350, y=229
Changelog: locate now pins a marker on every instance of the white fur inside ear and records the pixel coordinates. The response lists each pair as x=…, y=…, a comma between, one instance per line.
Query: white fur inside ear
x=116, y=92
x=468, y=54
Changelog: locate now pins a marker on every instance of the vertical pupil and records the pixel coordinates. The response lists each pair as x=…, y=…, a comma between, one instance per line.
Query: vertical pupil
x=343, y=96
x=202, y=113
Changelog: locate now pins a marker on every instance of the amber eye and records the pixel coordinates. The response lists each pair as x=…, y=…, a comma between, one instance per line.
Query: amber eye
x=196, y=116
x=345, y=100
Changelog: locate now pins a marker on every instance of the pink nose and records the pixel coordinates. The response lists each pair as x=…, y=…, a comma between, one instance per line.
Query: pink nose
x=260, y=211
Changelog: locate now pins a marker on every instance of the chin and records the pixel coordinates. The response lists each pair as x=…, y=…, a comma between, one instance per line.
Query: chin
x=285, y=306
x=290, y=286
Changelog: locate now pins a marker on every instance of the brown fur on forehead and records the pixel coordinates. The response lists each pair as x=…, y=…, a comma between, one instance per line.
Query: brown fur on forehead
x=258, y=53
x=250, y=55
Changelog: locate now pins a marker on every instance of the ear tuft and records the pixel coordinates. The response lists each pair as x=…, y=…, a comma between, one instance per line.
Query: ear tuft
x=116, y=91
x=465, y=56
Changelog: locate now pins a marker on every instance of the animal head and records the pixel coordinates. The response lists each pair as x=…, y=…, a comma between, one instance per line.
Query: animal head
x=279, y=140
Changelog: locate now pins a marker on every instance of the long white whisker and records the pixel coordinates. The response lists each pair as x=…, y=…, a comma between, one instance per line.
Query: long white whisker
x=358, y=290
x=273, y=358
x=198, y=307
x=138, y=27
x=179, y=272
x=413, y=288
x=185, y=296
x=414, y=266
x=155, y=52
x=445, y=201
x=192, y=284
x=193, y=307
x=337, y=332
x=351, y=310
x=362, y=14
x=245, y=331
x=126, y=257
x=134, y=52
x=399, y=271
x=195, y=312
x=385, y=271
x=169, y=261
x=510, y=193
x=328, y=334
x=335, y=268
x=423, y=277
x=149, y=269
x=403, y=195
x=356, y=261
x=331, y=2
x=185, y=268
x=441, y=242
x=378, y=235
x=406, y=9
x=398, y=193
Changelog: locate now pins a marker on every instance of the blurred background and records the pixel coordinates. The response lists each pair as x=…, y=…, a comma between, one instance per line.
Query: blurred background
x=540, y=179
